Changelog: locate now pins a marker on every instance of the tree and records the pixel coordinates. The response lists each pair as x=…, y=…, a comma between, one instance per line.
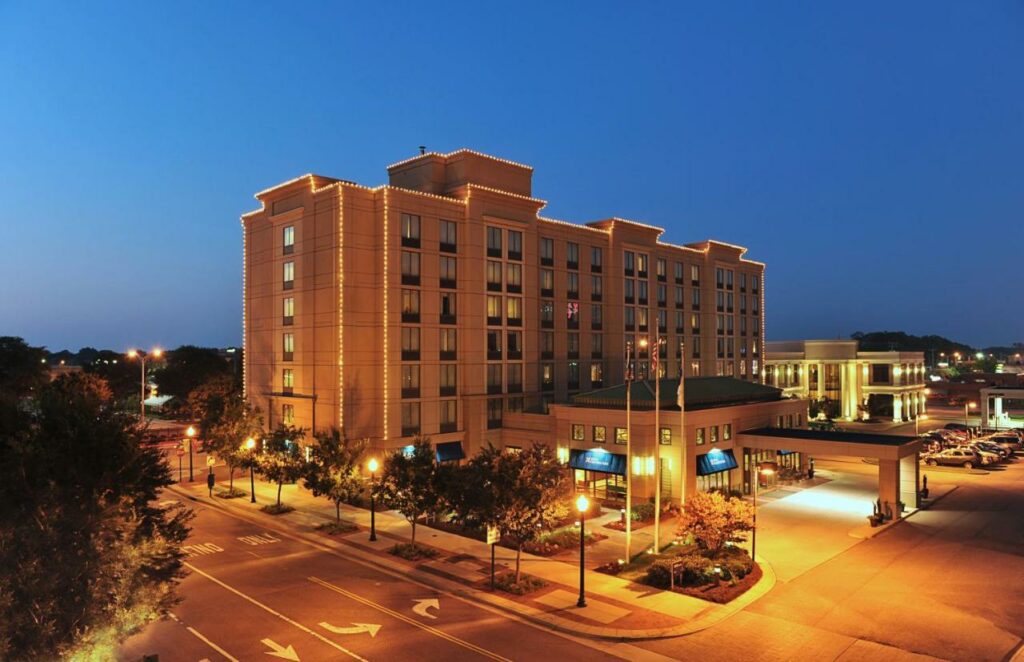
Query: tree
x=187, y=367
x=23, y=369
x=225, y=432
x=531, y=493
x=281, y=461
x=714, y=520
x=333, y=470
x=121, y=374
x=409, y=483
x=207, y=402
x=89, y=555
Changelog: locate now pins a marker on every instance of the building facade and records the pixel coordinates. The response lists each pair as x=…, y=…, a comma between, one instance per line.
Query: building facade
x=865, y=384
x=442, y=302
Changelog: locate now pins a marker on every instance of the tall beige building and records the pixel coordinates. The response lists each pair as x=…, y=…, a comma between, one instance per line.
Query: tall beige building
x=439, y=302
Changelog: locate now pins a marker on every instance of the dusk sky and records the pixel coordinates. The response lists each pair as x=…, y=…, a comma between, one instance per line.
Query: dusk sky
x=872, y=154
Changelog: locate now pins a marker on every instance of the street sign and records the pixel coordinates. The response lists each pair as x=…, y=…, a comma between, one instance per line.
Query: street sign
x=493, y=536
x=210, y=461
x=181, y=451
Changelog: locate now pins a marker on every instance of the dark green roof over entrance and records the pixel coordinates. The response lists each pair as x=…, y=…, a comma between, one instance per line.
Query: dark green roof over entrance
x=845, y=437
x=701, y=393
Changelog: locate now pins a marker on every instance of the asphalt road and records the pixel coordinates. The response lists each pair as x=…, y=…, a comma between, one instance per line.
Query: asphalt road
x=253, y=594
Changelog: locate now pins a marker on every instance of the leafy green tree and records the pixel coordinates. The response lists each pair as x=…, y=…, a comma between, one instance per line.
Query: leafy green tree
x=120, y=373
x=225, y=431
x=333, y=470
x=409, y=483
x=23, y=368
x=713, y=520
x=186, y=367
x=281, y=460
x=207, y=402
x=88, y=554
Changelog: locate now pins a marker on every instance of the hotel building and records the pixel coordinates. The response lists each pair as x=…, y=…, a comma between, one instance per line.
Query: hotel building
x=887, y=384
x=444, y=303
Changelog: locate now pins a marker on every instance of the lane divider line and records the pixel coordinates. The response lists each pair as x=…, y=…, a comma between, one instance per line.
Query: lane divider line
x=276, y=613
x=229, y=656
x=412, y=621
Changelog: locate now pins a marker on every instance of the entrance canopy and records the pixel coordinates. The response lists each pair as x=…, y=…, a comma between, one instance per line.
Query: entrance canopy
x=716, y=460
x=598, y=459
x=858, y=444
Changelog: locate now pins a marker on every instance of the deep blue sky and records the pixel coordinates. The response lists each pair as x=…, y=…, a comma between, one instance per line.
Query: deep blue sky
x=871, y=154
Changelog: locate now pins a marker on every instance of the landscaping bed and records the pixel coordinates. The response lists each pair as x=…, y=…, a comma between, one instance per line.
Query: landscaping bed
x=232, y=493
x=277, y=509
x=547, y=544
x=411, y=552
x=336, y=528
x=505, y=581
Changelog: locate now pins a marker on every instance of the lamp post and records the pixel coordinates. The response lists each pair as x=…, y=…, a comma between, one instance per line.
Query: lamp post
x=629, y=453
x=760, y=470
x=917, y=424
x=372, y=466
x=191, y=434
x=582, y=503
x=250, y=445
x=156, y=352
x=656, y=362
x=681, y=401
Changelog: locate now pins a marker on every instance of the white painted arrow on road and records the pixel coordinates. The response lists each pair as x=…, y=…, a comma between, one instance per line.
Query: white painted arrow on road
x=279, y=650
x=359, y=628
x=423, y=604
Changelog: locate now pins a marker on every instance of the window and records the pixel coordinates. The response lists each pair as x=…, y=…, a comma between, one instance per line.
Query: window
x=720, y=278
x=662, y=320
x=447, y=412
x=547, y=251
x=629, y=316
x=679, y=297
x=514, y=278
x=755, y=305
x=578, y=432
x=410, y=268
x=574, y=375
x=665, y=438
x=287, y=380
x=662, y=295
x=600, y=434
x=447, y=344
x=596, y=316
x=494, y=345
x=493, y=378
x=410, y=305
x=547, y=376
x=596, y=259
x=596, y=374
x=447, y=378
x=755, y=284
x=641, y=291
x=410, y=230
x=410, y=381
x=514, y=344
x=727, y=432
x=572, y=285
x=629, y=290
x=289, y=275
x=288, y=310
x=700, y=436
x=572, y=314
x=515, y=245
x=547, y=314
x=661, y=269
x=641, y=318
x=288, y=346
x=596, y=345
x=629, y=262
x=447, y=307
x=695, y=299
x=514, y=311
x=680, y=321
x=641, y=265
x=714, y=434
x=410, y=343
x=493, y=276
x=620, y=436
x=547, y=283
x=695, y=323
x=596, y=289
x=743, y=282
x=446, y=268
x=448, y=233
x=572, y=345
x=410, y=418
x=493, y=413
x=494, y=310
x=289, y=240
x=547, y=345
x=514, y=377
x=493, y=242
x=288, y=414
x=572, y=255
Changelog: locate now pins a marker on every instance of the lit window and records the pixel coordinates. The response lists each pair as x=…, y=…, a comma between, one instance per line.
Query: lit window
x=289, y=275
x=700, y=436
x=666, y=437
x=289, y=239
x=288, y=346
x=620, y=436
x=288, y=414
x=578, y=432
x=599, y=434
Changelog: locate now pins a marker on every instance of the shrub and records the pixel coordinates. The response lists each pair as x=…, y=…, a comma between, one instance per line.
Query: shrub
x=413, y=552
x=642, y=512
x=506, y=581
x=277, y=508
x=697, y=570
x=659, y=573
x=337, y=528
x=232, y=493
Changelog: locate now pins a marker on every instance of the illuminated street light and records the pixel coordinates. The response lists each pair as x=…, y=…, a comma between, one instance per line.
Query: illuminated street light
x=582, y=504
x=155, y=353
x=190, y=433
x=967, y=407
x=372, y=465
x=765, y=469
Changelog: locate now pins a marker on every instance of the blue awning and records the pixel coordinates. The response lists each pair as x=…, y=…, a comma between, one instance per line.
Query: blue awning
x=450, y=451
x=714, y=461
x=785, y=452
x=598, y=459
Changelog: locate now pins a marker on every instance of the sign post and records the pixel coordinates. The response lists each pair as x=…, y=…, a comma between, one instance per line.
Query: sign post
x=181, y=453
x=492, y=539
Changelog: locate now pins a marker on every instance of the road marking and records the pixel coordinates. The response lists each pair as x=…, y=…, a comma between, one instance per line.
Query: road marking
x=195, y=632
x=259, y=539
x=275, y=613
x=423, y=604
x=285, y=653
x=402, y=617
x=360, y=628
x=202, y=549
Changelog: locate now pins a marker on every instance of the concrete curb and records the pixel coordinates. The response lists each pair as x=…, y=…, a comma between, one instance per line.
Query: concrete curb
x=867, y=532
x=434, y=579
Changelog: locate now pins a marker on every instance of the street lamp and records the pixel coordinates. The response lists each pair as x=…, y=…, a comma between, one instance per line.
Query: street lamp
x=917, y=424
x=629, y=443
x=372, y=466
x=190, y=433
x=766, y=469
x=967, y=407
x=250, y=445
x=582, y=503
x=156, y=353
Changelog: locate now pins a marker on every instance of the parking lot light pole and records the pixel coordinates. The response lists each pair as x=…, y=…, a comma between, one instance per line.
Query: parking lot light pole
x=191, y=434
x=967, y=407
x=582, y=503
x=156, y=353
x=372, y=466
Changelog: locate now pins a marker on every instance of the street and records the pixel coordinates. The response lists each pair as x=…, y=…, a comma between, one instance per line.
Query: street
x=252, y=592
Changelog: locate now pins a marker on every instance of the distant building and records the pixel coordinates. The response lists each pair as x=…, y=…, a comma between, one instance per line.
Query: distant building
x=877, y=384
x=443, y=302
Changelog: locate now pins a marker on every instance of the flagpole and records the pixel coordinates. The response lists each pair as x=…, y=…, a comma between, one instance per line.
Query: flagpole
x=657, y=444
x=681, y=401
x=629, y=439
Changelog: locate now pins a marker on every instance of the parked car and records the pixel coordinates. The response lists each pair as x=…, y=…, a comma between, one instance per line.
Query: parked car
x=996, y=450
x=960, y=427
x=1008, y=444
x=961, y=457
x=1006, y=438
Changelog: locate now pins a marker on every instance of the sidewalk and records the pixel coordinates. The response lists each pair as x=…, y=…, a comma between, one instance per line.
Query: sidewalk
x=616, y=608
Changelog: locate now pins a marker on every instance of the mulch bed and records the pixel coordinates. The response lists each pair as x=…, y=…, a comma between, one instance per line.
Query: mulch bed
x=619, y=525
x=723, y=592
